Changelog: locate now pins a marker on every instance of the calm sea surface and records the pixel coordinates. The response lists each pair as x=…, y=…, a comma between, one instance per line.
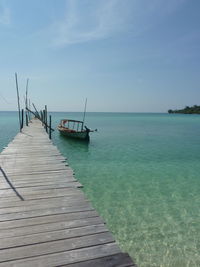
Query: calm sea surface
x=142, y=173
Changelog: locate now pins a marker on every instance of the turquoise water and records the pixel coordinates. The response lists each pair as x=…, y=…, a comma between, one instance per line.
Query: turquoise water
x=142, y=174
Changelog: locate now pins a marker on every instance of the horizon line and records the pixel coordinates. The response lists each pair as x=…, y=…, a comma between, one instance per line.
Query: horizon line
x=95, y=111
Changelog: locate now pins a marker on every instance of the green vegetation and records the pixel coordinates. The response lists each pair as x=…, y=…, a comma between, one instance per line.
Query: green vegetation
x=187, y=110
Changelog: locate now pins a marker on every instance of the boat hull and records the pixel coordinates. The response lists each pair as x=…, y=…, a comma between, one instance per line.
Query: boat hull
x=83, y=135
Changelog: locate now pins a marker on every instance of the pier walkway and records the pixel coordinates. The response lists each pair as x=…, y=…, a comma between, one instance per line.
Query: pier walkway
x=45, y=219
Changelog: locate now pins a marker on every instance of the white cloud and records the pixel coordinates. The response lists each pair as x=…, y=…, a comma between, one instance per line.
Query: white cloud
x=89, y=20
x=92, y=21
x=4, y=15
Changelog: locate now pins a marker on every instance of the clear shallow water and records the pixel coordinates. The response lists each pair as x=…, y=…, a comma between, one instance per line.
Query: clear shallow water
x=142, y=174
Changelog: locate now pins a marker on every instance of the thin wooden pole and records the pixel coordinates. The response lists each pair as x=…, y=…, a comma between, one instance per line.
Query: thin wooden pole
x=50, y=126
x=26, y=102
x=19, y=112
x=27, y=93
x=22, y=122
x=36, y=112
x=27, y=119
x=29, y=113
x=41, y=115
x=84, y=113
x=46, y=118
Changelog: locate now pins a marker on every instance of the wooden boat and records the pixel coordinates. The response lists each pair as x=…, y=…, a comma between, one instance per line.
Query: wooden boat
x=74, y=129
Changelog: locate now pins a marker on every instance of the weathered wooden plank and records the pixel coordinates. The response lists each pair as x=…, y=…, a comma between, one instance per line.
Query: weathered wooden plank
x=63, y=217
x=117, y=260
x=50, y=174
x=42, y=195
x=43, y=212
x=48, y=227
x=44, y=205
x=45, y=237
x=38, y=183
x=53, y=204
x=28, y=203
x=15, y=152
x=30, y=171
x=32, y=191
x=40, y=186
x=63, y=170
x=28, y=167
x=42, y=179
x=67, y=257
x=37, y=176
x=22, y=157
x=55, y=246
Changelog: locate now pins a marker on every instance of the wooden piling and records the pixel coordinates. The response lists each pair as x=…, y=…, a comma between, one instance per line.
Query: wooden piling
x=46, y=123
x=18, y=102
x=49, y=126
x=29, y=107
x=26, y=102
x=26, y=118
x=22, y=120
x=43, y=117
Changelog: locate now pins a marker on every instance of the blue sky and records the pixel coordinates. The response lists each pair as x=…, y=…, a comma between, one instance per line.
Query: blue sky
x=123, y=55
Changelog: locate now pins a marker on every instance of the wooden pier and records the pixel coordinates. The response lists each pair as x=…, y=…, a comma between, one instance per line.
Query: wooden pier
x=45, y=219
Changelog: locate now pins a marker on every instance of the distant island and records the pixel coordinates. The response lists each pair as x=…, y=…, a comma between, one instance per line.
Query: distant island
x=187, y=110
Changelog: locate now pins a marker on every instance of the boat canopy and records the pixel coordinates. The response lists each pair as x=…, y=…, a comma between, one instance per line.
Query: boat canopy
x=72, y=124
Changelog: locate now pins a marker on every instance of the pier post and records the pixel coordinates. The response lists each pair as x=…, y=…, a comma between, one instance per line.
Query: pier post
x=46, y=118
x=22, y=122
x=43, y=117
x=26, y=119
x=49, y=126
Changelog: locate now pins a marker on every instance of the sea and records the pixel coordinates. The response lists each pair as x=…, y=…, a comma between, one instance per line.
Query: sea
x=141, y=172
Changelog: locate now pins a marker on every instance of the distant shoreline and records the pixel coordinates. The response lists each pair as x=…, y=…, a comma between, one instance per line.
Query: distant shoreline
x=187, y=110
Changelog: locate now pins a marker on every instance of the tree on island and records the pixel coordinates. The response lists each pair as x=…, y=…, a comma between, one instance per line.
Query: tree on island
x=187, y=110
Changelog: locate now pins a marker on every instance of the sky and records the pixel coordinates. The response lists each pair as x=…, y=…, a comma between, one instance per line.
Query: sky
x=123, y=55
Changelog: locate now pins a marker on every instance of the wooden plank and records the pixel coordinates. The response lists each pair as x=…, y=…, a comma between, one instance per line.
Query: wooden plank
x=32, y=191
x=45, y=205
x=49, y=227
x=40, y=186
x=65, y=200
x=22, y=157
x=44, y=170
x=63, y=217
x=38, y=183
x=42, y=179
x=29, y=177
x=37, y=238
x=55, y=246
x=42, y=195
x=37, y=176
x=67, y=257
x=43, y=212
x=63, y=170
x=119, y=260
x=16, y=167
